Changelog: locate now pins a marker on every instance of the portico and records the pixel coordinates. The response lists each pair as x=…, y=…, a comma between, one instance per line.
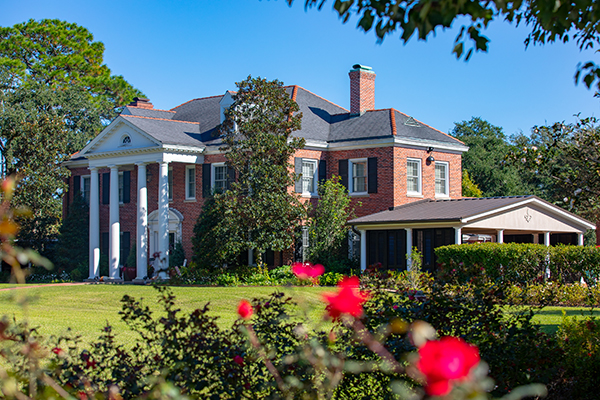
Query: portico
x=121, y=151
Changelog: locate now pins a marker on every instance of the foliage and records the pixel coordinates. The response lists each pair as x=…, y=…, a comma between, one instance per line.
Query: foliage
x=71, y=251
x=568, y=155
x=259, y=213
x=580, y=341
x=551, y=293
x=328, y=233
x=206, y=244
x=518, y=264
x=55, y=96
x=484, y=161
x=330, y=278
x=177, y=256
x=469, y=188
x=549, y=22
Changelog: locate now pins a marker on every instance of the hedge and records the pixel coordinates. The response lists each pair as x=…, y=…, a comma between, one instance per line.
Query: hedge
x=519, y=264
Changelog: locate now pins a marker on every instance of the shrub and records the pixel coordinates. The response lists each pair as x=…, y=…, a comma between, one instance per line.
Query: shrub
x=580, y=341
x=519, y=264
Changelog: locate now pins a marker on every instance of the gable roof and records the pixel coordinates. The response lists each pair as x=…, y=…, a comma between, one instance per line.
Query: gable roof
x=462, y=210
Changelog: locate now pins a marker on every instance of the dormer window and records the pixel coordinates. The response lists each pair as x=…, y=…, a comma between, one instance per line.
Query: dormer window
x=126, y=140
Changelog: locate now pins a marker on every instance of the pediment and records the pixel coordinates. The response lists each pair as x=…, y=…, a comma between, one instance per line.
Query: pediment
x=119, y=136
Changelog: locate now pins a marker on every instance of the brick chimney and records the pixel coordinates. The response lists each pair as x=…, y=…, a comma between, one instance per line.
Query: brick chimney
x=141, y=103
x=362, y=89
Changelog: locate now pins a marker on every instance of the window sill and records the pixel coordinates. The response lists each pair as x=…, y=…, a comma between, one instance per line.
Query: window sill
x=442, y=196
x=360, y=194
x=189, y=201
x=417, y=195
x=309, y=195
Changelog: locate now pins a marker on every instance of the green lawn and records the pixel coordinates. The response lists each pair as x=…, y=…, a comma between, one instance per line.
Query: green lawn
x=87, y=308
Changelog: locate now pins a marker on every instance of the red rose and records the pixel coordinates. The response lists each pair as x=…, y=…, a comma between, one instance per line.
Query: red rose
x=348, y=299
x=245, y=309
x=444, y=360
x=306, y=271
x=57, y=351
x=239, y=360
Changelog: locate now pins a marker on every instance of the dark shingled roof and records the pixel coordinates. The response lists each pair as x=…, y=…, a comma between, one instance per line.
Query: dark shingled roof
x=168, y=131
x=321, y=121
x=430, y=210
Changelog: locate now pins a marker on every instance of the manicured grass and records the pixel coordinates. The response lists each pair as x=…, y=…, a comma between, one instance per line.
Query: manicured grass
x=86, y=309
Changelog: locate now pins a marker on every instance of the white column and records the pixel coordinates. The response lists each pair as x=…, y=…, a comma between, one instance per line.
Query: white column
x=142, y=223
x=163, y=216
x=547, y=238
x=94, y=224
x=115, y=227
x=458, y=235
x=580, y=239
x=547, y=243
x=409, y=246
x=363, y=250
x=500, y=236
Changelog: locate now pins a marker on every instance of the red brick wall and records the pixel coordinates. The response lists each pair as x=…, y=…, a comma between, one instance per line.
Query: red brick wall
x=391, y=191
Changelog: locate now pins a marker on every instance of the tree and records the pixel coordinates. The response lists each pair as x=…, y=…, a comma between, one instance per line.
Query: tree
x=484, y=161
x=569, y=156
x=328, y=232
x=469, y=188
x=55, y=95
x=259, y=211
x=550, y=21
x=71, y=251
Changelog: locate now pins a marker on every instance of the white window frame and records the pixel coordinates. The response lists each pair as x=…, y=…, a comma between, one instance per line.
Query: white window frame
x=313, y=188
x=351, y=163
x=121, y=187
x=190, y=194
x=419, y=177
x=82, y=187
x=446, y=179
x=213, y=175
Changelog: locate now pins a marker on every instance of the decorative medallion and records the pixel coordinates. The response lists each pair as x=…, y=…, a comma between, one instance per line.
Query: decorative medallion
x=527, y=216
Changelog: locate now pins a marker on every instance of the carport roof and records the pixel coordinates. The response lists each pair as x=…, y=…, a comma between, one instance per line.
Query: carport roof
x=459, y=210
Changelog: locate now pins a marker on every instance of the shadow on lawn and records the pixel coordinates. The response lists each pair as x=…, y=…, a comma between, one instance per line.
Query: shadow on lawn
x=551, y=317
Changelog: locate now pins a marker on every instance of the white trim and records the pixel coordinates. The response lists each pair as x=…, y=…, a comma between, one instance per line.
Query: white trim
x=419, y=191
x=170, y=185
x=551, y=208
x=446, y=164
x=351, y=163
x=188, y=195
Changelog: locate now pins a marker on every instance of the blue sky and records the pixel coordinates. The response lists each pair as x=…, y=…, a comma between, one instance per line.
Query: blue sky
x=175, y=51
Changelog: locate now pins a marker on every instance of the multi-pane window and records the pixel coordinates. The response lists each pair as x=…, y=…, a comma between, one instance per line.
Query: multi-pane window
x=305, y=242
x=413, y=176
x=309, y=168
x=85, y=188
x=219, y=178
x=441, y=178
x=190, y=182
x=359, y=176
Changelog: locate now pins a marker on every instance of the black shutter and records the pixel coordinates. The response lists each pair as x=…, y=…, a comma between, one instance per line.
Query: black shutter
x=322, y=171
x=76, y=184
x=298, y=171
x=106, y=188
x=372, y=175
x=230, y=177
x=343, y=171
x=104, y=243
x=206, y=169
x=125, y=247
x=126, y=187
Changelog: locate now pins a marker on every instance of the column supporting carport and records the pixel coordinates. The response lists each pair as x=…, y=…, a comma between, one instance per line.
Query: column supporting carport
x=409, y=246
x=363, y=250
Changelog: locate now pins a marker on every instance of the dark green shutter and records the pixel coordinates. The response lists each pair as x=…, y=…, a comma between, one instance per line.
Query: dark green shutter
x=298, y=172
x=372, y=175
x=230, y=177
x=343, y=171
x=106, y=188
x=206, y=170
x=76, y=184
x=322, y=170
x=126, y=187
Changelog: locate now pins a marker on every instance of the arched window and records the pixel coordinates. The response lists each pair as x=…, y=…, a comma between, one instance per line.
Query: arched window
x=126, y=140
